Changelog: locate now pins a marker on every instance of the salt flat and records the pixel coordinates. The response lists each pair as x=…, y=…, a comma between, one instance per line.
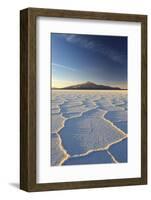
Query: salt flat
x=88, y=127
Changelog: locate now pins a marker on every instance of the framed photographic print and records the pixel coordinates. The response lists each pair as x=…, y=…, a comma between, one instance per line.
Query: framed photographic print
x=83, y=93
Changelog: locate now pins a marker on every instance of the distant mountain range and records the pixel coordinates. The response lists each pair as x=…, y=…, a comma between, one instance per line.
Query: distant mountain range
x=88, y=86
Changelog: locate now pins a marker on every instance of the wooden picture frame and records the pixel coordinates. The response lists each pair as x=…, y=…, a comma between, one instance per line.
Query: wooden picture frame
x=28, y=98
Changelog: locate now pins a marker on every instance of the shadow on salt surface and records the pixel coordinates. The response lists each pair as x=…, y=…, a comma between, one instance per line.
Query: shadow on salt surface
x=88, y=132
x=98, y=157
x=72, y=109
x=122, y=125
x=107, y=105
x=118, y=118
x=119, y=151
x=70, y=115
x=123, y=106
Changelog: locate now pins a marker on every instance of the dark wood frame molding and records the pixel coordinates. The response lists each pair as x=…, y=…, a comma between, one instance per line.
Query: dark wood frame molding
x=28, y=98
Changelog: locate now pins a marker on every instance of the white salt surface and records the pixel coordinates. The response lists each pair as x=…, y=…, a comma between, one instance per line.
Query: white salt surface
x=86, y=121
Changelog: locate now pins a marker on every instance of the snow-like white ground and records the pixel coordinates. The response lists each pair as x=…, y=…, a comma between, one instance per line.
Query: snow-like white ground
x=88, y=126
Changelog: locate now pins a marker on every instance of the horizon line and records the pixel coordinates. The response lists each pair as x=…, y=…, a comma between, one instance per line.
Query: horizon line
x=72, y=85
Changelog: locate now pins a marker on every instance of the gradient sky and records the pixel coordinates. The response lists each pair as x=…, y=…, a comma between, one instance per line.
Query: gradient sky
x=79, y=58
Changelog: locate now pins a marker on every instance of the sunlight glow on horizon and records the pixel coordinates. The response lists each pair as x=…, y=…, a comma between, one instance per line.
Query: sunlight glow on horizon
x=62, y=84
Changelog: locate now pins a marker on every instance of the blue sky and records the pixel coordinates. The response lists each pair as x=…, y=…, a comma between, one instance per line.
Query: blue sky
x=79, y=58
